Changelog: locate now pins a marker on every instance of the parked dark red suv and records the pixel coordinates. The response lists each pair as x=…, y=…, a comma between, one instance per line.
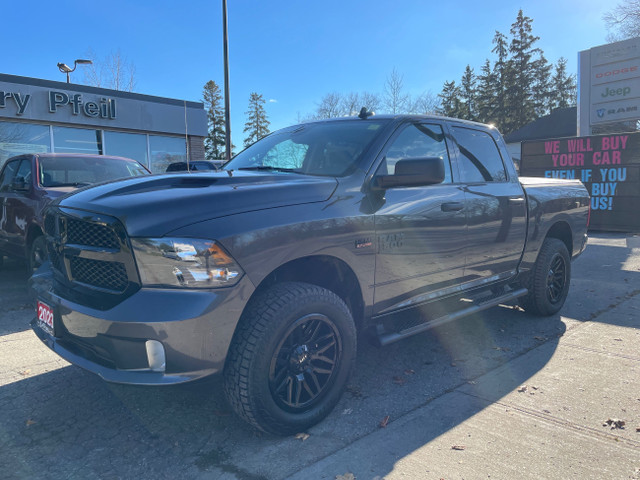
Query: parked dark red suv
x=28, y=183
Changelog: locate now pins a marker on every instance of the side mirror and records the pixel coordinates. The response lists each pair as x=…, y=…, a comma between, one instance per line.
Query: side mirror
x=414, y=172
x=19, y=184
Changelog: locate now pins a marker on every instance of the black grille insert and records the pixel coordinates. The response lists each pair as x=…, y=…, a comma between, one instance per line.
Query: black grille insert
x=50, y=224
x=91, y=234
x=108, y=275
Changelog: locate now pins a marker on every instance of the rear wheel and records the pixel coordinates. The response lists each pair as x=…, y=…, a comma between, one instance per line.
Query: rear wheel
x=550, y=279
x=37, y=253
x=291, y=357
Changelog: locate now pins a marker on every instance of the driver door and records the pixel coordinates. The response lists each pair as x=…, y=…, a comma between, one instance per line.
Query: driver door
x=421, y=231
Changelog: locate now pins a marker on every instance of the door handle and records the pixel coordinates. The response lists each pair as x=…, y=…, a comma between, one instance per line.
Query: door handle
x=452, y=206
x=516, y=200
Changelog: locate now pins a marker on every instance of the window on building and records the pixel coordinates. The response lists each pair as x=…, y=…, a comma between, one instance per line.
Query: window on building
x=77, y=140
x=130, y=145
x=165, y=151
x=18, y=138
x=480, y=160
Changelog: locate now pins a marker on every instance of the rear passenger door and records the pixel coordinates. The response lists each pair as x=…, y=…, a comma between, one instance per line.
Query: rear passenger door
x=495, y=207
x=420, y=230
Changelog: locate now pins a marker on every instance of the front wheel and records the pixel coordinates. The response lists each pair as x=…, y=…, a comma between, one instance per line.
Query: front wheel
x=291, y=357
x=549, y=279
x=37, y=253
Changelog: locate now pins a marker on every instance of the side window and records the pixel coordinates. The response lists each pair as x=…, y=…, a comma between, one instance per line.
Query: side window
x=415, y=141
x=480, y=159
x=24, y=170
x=7, y=175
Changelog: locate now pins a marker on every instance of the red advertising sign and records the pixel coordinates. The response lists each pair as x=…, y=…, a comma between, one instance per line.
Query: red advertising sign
x=608, y=165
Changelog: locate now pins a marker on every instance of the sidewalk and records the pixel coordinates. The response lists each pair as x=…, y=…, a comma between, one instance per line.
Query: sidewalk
x=551, y=427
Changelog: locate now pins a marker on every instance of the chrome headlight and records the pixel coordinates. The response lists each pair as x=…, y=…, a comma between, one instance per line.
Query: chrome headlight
x=184, y=262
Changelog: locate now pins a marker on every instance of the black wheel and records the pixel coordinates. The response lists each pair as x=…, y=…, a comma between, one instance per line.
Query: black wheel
x=549, y=280
x=37, y=253
x=290, y=358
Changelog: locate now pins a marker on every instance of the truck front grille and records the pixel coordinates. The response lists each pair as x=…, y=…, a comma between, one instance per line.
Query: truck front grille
x=84, y=233
x=91, y=257
x=97, y=273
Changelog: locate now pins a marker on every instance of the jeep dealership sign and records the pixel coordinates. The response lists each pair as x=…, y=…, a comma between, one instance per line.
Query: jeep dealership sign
x=609, y=86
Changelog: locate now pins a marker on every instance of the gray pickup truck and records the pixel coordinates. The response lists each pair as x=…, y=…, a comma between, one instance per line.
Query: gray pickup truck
x=266, y=271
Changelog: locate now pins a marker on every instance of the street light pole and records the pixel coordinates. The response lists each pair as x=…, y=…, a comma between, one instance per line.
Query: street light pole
x=64, y=68
x=227, y=119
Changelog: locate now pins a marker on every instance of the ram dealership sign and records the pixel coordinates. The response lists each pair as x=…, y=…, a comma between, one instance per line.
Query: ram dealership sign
x=609, y=84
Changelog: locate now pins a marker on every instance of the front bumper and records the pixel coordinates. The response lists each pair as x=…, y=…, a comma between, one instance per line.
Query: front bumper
x=195, y=327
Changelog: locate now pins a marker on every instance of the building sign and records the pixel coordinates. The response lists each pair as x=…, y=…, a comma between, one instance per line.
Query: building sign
x=609, y=84
x=44, y=101
x=608, y=165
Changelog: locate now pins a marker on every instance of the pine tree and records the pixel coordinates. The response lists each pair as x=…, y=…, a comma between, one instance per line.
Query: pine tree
x=450, y=100
x=468, y=94
x=563, y=86
x=486, y=95
x=520, y=100
x=501, y=77
x=215, y=140
x=257, y=124
x=541, y=88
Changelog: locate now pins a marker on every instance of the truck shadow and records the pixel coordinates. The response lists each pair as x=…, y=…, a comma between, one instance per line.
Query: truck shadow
x=70, y=423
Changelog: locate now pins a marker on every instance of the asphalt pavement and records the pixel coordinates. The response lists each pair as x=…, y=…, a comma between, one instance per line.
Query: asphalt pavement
x=501, y=394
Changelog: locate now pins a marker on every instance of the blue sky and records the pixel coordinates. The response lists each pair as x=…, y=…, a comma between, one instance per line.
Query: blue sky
x=292, y=52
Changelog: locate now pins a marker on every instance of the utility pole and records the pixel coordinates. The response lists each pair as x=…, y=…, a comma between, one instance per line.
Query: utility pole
x=226, y=81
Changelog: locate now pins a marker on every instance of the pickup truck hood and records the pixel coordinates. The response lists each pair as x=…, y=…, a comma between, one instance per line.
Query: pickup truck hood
x=154, y=205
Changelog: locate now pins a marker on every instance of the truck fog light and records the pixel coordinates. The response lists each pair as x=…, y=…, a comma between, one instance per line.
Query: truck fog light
x=155, y=355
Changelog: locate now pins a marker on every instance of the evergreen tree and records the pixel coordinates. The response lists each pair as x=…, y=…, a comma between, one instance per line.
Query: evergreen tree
x=257, y=124
x=563, y=86
x=450, y=100
x=541, y=88
x=520, y=100
x=501, y=79
x=215, y=140
x=468, y=95
x=486, y=94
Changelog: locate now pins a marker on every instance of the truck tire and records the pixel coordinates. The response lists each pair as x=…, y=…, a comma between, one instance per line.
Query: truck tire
x=37, y=253
x=290, y=359
x=549, y=279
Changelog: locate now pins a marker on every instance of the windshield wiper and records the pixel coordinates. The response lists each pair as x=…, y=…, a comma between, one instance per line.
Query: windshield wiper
x=268, y=168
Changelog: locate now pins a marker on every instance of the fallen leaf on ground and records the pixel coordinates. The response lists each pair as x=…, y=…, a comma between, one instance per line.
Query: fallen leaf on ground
x=638, y=428
x=384, y=422
x=346, y=476
x=25, y=372
x=614, y=423
x=399, y=380
x=30, y=422
x=522, y=389
x=302, y=436
x=408, y=371
x=458, y=447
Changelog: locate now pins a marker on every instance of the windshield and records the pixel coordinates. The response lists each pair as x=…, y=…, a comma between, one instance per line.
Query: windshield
x=326, y=149
x=78, y=171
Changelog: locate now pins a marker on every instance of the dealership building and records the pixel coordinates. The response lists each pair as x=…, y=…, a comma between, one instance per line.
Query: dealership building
x=46, y=116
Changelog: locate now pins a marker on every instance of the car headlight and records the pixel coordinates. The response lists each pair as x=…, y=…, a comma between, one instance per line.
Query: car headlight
x=184, y=262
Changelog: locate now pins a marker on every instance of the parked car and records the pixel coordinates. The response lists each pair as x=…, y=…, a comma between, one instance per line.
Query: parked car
x=196, y=166
x=320, y=230
x=28, y=183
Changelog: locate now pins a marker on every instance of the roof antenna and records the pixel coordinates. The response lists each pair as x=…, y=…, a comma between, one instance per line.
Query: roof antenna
x=364, y=114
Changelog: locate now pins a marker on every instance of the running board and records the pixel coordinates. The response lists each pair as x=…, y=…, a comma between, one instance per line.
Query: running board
x=387, y=338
